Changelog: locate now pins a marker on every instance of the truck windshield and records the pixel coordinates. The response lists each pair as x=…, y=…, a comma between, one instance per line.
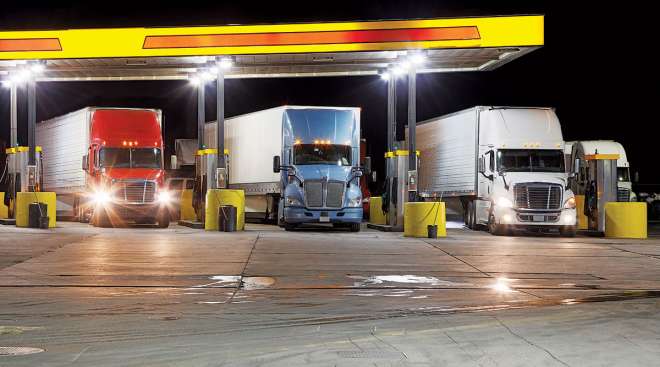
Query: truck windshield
x=145, y=158
x=115, y=158
x=623, y=174
x=129, y=158
x=339, y=155
x=530, y=160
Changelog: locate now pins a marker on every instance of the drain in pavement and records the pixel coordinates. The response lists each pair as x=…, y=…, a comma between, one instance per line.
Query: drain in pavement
x=18, y=351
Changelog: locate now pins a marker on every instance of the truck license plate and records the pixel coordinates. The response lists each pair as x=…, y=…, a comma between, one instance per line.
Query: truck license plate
x=538, y=218
x=324, y=218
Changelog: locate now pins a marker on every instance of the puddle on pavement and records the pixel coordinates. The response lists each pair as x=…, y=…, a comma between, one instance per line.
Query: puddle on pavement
x=389, y=280
x=235, y=281
x=15, y=330
x=18, y=351
x=251, y=283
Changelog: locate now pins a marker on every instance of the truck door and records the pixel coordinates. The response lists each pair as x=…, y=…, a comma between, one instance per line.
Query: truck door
x=485, y=186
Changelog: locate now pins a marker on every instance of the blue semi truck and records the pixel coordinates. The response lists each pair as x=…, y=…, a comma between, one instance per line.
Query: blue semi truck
x=315, y=156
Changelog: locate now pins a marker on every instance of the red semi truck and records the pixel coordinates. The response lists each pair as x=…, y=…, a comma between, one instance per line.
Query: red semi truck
x=106, y=165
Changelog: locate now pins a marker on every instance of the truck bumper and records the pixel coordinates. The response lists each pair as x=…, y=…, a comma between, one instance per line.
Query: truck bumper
x=304, y=215
x=134, y=212
x=530, y=220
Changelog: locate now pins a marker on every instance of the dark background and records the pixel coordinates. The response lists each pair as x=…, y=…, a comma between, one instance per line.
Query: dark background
x=597, y=68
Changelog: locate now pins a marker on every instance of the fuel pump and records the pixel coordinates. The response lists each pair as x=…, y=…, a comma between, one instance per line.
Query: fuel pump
x=210, y=173
x=601, y=188
x=399, y=186
x=22, y=177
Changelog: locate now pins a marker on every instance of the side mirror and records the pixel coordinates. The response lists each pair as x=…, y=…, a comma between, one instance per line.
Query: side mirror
x=173, y=162
x=374, y=177
x=358, y=173
x=276, y=164
x=482, y=165
x=367, y=165
x=576, y=166
x=85, y=162
x=636, y=177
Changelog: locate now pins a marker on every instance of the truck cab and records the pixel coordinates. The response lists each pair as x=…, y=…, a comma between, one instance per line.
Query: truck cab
x=522, y=180
x=124, y=165
x=589, y=147
x=320, y=168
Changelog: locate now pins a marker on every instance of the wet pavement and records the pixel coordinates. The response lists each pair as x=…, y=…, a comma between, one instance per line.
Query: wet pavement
x=78, y=295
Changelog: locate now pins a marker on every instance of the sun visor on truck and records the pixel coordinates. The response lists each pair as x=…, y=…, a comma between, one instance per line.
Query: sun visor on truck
x=325, y=126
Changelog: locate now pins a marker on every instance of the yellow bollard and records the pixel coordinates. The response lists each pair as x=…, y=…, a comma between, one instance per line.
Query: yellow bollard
x=23, y=200
x=417, y=216
x=4, y=210
x=583, y=221
x=376, y=213
x=187, y=212
x=625, y=220
x=218, y=197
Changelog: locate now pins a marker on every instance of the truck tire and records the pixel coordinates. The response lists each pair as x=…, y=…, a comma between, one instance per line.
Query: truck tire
x=100, y=219
x=164, y=219
x=355, y=227
x=496, y=229
x=289, y=227
x=567, y=231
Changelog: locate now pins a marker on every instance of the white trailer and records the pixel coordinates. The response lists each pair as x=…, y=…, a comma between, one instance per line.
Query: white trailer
x=504, y=164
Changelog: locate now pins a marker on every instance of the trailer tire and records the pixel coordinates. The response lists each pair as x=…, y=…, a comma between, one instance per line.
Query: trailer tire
x=470, y=217
x=289, y=227
x=355, y=227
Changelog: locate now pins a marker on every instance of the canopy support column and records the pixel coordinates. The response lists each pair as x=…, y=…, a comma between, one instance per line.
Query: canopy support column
x=412, y=124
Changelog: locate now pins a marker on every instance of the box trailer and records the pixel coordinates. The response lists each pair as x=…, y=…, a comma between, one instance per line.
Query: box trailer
x=106, y=164
x=316, y=174
x=504, y=164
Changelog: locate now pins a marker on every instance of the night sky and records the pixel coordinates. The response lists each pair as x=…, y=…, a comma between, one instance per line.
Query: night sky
x=597, y=69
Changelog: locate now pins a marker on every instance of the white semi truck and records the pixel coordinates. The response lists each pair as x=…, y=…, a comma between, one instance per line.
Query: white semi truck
x=504, y=164
x=296, y=164
x=589, y=147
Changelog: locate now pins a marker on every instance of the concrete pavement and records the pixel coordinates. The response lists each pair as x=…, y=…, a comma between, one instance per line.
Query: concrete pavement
x=145, y=296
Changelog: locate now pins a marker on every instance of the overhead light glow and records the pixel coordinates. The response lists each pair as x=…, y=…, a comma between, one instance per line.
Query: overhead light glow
x=38, y=68
x=6, y=83
x=194, y=80
x=398, y=70
x=225, y=63
x=205, y=75
x=385, y=76
x=213, y=70
x=417, y=58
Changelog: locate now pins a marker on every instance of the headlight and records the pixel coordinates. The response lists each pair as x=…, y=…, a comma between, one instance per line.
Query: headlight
x=355, y=202
x=101, y=197
x=570, y=203
x=164, y=197
x=504, y=203
x=293, y=201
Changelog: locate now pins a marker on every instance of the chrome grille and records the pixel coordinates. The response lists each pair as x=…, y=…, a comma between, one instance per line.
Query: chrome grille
x=537, y=196
x=135, y=191
x=314, y=194
x=335, y=194
x=622, y=194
